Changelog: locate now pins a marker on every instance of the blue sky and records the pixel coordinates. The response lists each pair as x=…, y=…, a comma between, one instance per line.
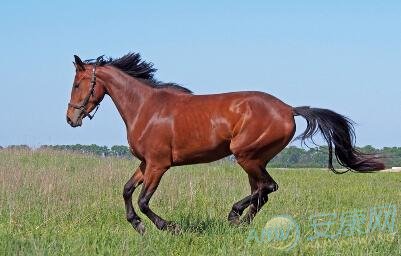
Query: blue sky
x=343, y=55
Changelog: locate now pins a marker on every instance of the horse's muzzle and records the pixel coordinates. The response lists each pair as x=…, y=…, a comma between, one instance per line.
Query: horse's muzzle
x=77, y=123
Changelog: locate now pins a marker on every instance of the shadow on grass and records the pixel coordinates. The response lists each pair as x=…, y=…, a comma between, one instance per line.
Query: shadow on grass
x=196, y=225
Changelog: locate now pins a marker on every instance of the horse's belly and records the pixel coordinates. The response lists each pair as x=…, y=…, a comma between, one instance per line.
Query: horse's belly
x=201, y=154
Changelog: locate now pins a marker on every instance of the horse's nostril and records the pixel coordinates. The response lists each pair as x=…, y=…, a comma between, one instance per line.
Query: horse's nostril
x=68, y=120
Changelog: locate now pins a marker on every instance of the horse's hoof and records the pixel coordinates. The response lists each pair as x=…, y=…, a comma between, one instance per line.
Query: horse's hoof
x=234, y=218
x=235, y=221
x=139, y=227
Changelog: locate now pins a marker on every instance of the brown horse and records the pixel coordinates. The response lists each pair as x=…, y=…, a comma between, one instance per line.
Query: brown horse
x=168, y=126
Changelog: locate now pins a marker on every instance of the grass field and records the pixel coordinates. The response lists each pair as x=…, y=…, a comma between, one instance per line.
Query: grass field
x=71, y=204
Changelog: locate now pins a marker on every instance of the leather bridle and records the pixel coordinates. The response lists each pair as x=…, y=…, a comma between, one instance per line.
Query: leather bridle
x=82, y=106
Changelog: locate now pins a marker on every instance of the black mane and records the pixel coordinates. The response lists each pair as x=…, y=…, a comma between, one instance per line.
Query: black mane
x=133, y=65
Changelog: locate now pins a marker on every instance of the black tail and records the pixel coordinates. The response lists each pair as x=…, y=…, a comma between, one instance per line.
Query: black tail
x=338, y=131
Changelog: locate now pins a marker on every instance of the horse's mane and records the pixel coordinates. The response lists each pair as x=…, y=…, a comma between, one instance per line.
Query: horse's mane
x=133, y=65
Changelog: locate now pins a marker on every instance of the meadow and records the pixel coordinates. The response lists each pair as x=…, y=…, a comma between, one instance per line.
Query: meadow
x=61, y=203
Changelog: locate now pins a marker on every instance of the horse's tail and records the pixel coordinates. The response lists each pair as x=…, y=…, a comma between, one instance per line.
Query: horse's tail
x=338, y=131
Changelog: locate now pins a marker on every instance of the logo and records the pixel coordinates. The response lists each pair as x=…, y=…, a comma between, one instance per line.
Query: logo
x=281, y=232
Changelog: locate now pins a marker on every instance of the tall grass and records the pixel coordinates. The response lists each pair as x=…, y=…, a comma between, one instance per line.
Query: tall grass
x=70, y=204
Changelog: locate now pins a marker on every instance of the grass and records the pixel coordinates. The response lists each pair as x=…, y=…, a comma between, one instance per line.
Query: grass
x=70, y=204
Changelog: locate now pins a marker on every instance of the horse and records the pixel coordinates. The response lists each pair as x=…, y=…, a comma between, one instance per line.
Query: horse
x=167, y=125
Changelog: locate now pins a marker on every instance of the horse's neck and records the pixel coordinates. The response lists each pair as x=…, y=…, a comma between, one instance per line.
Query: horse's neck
x=127, y=93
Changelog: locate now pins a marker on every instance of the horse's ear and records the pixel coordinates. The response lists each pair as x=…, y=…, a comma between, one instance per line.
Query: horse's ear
x=79, y=64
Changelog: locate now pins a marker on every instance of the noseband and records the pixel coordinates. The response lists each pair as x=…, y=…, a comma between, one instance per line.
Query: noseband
x=82, y=106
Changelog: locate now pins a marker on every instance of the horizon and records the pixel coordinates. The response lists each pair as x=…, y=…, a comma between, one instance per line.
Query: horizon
x=306, y=148
x=344, y=57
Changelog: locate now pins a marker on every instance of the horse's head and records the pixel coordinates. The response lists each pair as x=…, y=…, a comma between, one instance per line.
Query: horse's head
x=86, y=94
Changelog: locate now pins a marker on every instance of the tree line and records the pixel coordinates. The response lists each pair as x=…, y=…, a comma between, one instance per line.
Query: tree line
x=295, y=157
x=290, y=157
x=103, y=151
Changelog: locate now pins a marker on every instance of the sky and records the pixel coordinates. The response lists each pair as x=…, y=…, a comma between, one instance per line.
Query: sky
x=342, y=55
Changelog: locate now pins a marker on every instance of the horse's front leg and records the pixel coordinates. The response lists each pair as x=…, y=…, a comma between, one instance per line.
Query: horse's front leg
x=152, y=177
x=129, y=188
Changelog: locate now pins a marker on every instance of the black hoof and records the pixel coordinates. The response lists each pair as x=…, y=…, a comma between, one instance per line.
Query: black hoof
x=233, y=218
x=138, y=226
x=235, y=222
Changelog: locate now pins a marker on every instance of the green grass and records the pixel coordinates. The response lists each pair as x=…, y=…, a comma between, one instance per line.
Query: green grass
x=69, y=204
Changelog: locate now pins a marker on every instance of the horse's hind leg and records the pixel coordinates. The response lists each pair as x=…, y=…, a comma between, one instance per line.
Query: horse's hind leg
x=129, y=188
x=261, y=185
x=254, y=147
x=261, y=182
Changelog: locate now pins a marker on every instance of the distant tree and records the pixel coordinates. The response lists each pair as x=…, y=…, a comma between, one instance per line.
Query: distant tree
x=368, y=149
x=19, y=147
x=120, y=151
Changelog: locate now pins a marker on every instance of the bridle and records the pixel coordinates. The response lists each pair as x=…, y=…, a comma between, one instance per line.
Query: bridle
x=82, y=106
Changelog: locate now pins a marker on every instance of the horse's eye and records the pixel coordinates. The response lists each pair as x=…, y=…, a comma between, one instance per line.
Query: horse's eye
x=76, y=85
